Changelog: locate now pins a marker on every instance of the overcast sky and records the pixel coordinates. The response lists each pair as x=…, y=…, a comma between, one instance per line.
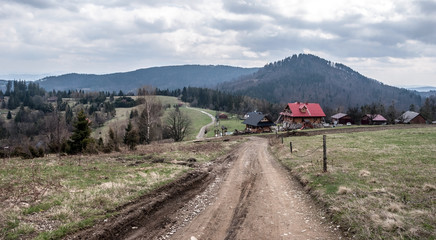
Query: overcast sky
x=391, y=41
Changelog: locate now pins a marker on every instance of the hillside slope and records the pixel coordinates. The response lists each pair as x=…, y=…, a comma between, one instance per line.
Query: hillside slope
x=170, y=77
x=310, y=78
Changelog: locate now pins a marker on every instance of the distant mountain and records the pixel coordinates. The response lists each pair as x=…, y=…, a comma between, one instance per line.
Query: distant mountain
x=420, y=88
x=171, y=77
x=308, y=78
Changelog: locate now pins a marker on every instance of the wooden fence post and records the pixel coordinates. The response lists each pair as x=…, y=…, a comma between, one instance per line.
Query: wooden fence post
x=324, y=145
x=290, y=146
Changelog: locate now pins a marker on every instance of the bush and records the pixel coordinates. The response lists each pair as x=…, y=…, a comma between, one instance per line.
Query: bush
x=20, y=152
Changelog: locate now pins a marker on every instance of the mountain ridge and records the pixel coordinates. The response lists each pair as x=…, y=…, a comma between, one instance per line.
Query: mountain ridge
x=309, y=78
x=164, y=77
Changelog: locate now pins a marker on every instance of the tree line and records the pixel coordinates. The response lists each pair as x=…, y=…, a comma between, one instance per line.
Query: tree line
x=64, y=124
x=223, y=101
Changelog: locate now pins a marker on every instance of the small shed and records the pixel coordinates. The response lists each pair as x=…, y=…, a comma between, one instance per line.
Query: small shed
x=223, y=116
x=257, y=122
x=411, y=117
x=341, y=118
x=373, y=119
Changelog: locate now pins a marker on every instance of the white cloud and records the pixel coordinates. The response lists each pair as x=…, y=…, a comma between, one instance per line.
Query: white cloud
x=45, y=36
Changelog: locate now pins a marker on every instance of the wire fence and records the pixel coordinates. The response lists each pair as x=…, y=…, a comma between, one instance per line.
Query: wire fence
x=312, y=152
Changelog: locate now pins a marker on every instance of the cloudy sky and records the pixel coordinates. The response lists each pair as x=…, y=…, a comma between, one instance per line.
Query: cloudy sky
x=391, y=41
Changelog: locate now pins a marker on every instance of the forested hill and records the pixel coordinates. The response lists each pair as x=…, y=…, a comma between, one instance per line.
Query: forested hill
x=170, y=77
x=310, y=78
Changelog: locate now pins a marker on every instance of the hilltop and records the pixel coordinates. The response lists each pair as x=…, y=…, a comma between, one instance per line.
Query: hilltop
x=306, y=77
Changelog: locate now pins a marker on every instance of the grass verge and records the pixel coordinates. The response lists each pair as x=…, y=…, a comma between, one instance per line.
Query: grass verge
x=48, y=198
x=379, y=185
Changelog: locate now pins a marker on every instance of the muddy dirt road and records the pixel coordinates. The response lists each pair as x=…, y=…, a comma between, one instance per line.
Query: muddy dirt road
x=258, y=200
x=246, y=195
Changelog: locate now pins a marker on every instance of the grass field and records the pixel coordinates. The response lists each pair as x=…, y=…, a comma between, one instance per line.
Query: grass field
x=47, y=198
x=231, y=124
x=198, y=119
x=379, y=185
x=122, y=115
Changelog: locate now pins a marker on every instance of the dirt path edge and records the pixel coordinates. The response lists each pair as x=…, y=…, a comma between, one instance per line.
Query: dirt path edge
x=145, y=210
x=345, y=228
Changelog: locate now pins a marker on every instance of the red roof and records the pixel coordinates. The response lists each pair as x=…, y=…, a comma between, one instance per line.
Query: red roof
x=299, y=109
x=377, y=118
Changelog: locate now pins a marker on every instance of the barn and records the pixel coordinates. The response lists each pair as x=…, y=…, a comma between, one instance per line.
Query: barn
x=341, y=118
x=411, y=117
x=257, y=122
x=300, y=113
x=373, y=119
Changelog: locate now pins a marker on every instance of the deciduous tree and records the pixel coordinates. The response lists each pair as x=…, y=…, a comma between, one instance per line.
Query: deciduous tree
x=178, y=125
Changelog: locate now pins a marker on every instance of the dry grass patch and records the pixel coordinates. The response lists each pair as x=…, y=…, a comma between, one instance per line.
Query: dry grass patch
x=343, y=190
x=48, y=198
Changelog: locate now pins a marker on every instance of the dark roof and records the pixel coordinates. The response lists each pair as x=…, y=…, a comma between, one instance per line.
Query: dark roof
x=408, y=116
x=255, y=119
x=339, y=115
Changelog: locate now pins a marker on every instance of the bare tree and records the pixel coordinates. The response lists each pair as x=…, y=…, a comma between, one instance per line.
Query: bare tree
x=150, y=116
x=178, y=124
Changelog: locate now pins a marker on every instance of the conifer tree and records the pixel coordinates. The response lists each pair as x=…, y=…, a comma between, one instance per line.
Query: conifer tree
x=131, y=138
x=81, y=135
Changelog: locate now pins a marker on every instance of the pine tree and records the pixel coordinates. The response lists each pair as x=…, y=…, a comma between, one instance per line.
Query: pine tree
x=81, y=135
x=113, y=140
x=68, y=115
x=131, y=138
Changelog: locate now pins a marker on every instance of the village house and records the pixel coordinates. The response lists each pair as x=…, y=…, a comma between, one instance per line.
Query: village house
x=341, y=118
x=373, y=119
x=300, y=114
x=411, y=117
x=52, y=99
x=257, y=122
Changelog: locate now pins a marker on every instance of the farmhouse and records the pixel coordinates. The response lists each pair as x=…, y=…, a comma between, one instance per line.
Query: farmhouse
x=373, y=119
x=341, y=118
x=300, y=113
x=257, y=122
x=411, y=117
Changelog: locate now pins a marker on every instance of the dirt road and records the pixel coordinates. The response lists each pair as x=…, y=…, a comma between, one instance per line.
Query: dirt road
x=202, y=131
x=258, y=200
x=245, y=195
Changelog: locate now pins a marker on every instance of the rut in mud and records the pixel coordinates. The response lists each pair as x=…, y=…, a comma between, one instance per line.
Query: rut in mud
x=246, y=195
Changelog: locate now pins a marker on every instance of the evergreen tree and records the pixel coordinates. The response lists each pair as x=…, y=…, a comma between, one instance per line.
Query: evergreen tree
x=131, y=138
x=113, y=140
x=68, y=114
x=19, y=117
x=9, y=115
x=391, y=114
x=81, y=135
x=8, y=88
x=412, y=107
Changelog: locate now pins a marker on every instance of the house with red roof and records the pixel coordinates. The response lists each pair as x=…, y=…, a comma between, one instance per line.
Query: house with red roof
x=373, y=119
x=301, y=113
